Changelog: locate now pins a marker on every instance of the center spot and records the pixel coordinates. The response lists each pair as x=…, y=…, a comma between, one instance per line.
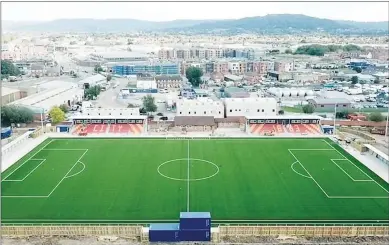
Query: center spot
x=177, y=169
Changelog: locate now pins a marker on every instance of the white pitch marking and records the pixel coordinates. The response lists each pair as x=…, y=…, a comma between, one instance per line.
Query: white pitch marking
x=345, y=158
x=28, y=159
x=188, y=184
x=42, y=160
x=67, y=173
x=298, y=172
x=308, y=173
x=77, y=172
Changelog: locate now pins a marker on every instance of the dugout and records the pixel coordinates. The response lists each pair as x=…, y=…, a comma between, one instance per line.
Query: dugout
x=63, y=128
x=369, y=149
x=111, y=120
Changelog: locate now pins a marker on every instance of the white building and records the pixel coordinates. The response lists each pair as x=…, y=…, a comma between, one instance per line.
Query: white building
x=233, y=66
x=200, y=107
x=250, y=107
x=146, y=84
x=97, y=79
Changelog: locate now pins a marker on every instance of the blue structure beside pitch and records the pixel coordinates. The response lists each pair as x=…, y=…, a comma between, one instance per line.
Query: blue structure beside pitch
x=193, y=227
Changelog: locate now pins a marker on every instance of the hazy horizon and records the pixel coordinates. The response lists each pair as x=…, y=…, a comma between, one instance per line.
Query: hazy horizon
x=163, y=11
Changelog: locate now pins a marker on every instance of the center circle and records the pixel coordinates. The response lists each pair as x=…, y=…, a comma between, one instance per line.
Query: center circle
x=184, y=161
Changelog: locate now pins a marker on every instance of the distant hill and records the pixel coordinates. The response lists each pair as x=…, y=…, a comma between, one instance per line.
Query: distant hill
x=381, y=25
x=274, y=23
x=107, y=25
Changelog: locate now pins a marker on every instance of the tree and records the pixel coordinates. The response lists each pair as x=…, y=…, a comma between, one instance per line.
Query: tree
x=376, y=80
x=342, y=114
x=131, y=105
x=64, y=108
x=308, y=109
x=56, y=114
x=288, y=51
x=281, y=112
x=358, y=69
x=376, y=117
x=9, y=69
x=98, y=68
x=142, y=111
x=15, y=114
x=354, y=80
x=194, y=74
x=92, y=92
x=109, y=78
x=149, y=103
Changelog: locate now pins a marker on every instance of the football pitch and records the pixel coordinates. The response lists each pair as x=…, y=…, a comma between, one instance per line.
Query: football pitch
x=269, y=180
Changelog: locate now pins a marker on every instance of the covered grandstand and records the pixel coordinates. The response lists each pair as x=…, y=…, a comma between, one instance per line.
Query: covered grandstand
x=284, y=125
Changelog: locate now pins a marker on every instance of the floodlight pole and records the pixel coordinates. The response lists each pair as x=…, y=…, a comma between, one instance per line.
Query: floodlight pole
x=42, y=118
x=334, y=119
x=387, y=125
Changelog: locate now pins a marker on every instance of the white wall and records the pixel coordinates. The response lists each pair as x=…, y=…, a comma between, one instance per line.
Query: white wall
x=251, y=107
x=146, y=84
x=200, y=108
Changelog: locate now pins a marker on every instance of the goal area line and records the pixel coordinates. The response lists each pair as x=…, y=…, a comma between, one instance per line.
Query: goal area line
x=341, y=169
x=44, y=160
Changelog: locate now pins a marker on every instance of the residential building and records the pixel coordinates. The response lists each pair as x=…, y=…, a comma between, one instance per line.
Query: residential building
x=282, y=66
x=37, y=70
x=168, y=81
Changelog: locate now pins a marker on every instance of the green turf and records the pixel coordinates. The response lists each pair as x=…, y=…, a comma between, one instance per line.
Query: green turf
x=237, y=180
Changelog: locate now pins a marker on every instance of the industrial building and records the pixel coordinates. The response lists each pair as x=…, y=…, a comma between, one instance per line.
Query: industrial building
x=325, y=103
x=200, y=107
x=134, y=68
x=119, y=56
x=9, y=95
x=92, y=81
x=250, y=107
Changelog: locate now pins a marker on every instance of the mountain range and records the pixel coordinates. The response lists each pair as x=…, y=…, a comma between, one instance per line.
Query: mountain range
x=270, y=23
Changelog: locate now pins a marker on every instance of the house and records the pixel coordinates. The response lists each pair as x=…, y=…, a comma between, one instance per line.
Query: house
x=37, y=70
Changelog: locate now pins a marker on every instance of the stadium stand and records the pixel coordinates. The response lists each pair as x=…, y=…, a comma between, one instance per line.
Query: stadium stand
x=126, y=128
x=282, y=125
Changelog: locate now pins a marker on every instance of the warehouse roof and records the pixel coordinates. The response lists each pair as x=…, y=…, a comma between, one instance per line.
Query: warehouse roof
x=233, y=77
x=330, y=101
x=92, y=79
x=8, y=91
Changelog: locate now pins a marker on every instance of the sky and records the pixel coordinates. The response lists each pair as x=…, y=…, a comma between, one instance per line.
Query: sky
x=163, y=11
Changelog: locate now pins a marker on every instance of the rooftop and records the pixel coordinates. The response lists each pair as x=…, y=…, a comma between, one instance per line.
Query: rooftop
x=7, y=91
x=195, y=215
x=93, y=79
x=165, y=227
x=124, y=54
x=324, y=101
